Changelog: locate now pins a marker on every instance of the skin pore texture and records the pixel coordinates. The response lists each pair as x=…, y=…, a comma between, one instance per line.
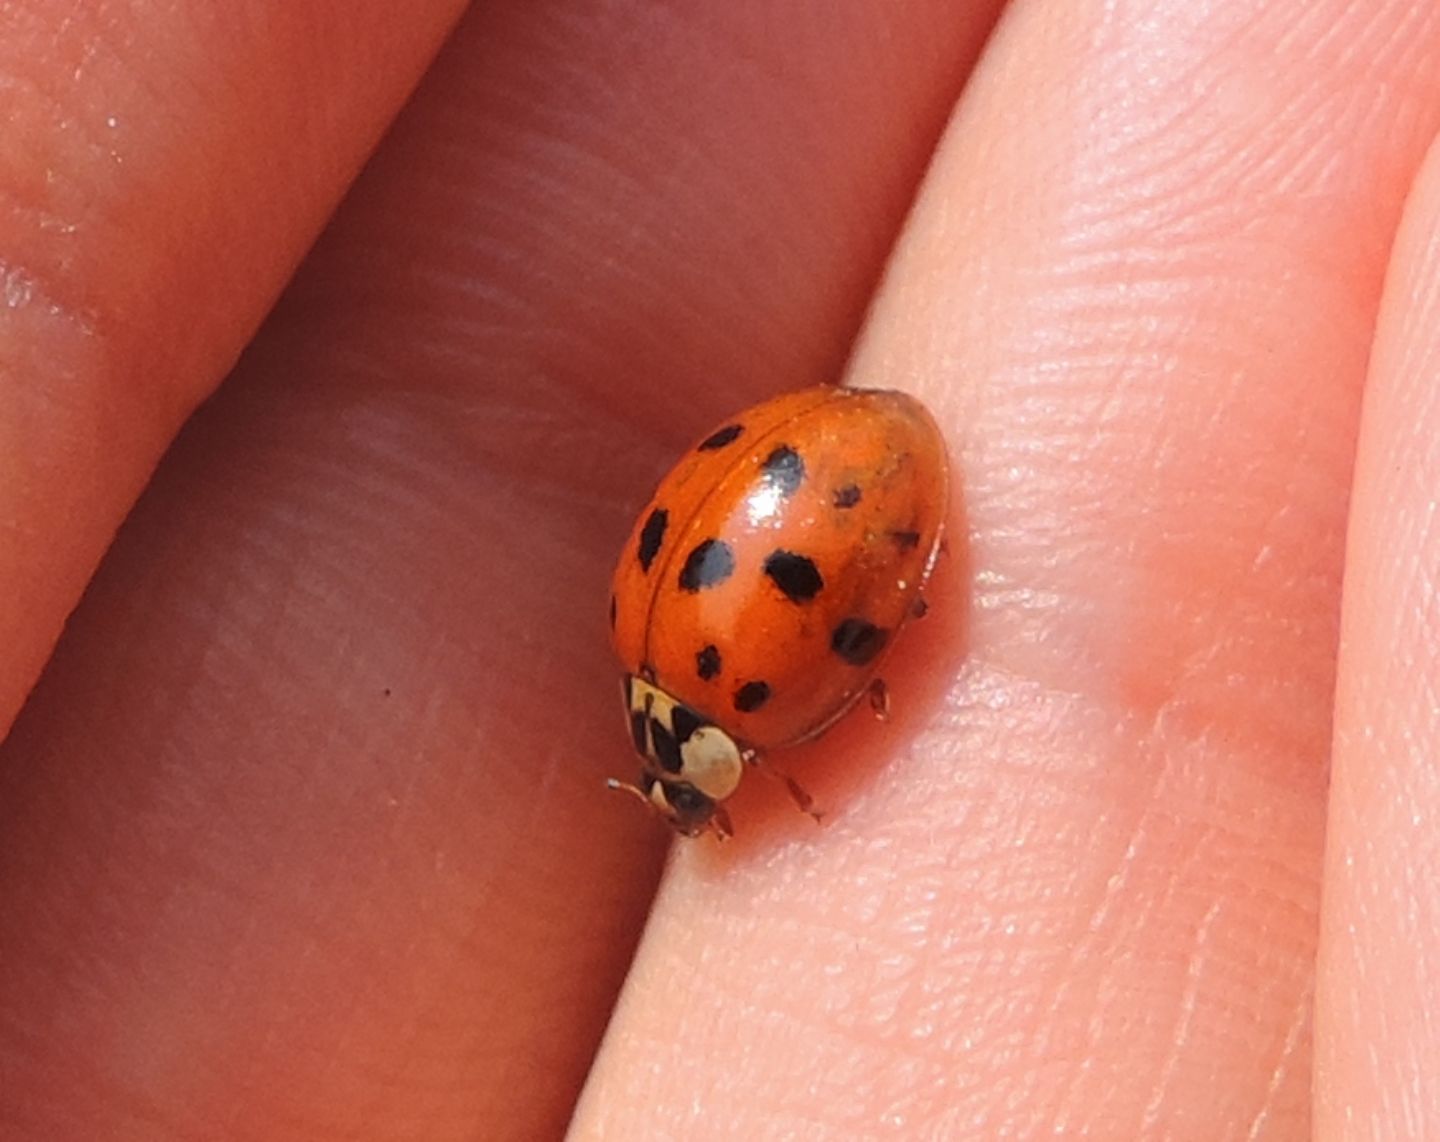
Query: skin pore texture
x=303, y=832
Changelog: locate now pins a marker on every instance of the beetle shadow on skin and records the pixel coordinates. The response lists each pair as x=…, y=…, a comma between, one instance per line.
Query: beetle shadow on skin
x=860, y=748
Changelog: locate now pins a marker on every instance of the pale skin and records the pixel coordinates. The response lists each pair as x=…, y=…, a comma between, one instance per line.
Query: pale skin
x=304, y=834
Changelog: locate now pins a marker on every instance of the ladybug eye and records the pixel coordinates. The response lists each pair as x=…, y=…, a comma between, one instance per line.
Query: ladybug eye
x=688, y=801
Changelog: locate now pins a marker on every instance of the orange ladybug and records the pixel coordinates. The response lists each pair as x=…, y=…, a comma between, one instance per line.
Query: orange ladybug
x=764, y=583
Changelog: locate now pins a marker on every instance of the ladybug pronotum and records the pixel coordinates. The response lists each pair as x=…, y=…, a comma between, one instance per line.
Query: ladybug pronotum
x=764, y=583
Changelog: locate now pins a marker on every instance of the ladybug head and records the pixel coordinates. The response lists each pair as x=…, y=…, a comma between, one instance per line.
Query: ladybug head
x=685, y=809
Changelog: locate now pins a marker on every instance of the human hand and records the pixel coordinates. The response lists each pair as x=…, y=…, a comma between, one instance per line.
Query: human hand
x=303, y=832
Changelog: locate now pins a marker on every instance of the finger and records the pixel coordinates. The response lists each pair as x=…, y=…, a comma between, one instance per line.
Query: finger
x=314, y=782
x=1082, y=899
x=163, y=167
x=1377, y=1057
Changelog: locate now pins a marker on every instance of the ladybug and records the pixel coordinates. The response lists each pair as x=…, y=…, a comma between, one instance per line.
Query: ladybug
x=764, y=583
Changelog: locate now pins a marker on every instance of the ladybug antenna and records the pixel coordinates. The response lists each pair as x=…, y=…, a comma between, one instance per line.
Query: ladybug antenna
x=633, y=790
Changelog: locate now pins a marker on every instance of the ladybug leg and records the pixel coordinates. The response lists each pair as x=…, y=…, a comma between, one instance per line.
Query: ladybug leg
x=720, y=825
x=879, y=695
x=803, y=801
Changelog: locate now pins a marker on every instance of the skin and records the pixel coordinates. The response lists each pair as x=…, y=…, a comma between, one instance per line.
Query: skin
x=302, y=829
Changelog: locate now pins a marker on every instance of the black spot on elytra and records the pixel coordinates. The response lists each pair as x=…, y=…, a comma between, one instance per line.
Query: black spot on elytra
x=847, y=497
x=707, y=662
x=721, y=437
x=651, y=536
x=751, y=696
x=795, y=575
x=667, y=749
x=638, y=723
x=612, y=612
x=685, y=721
x=783, y=469
x=857, y=641
x=708, y=565
x=905, y=540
